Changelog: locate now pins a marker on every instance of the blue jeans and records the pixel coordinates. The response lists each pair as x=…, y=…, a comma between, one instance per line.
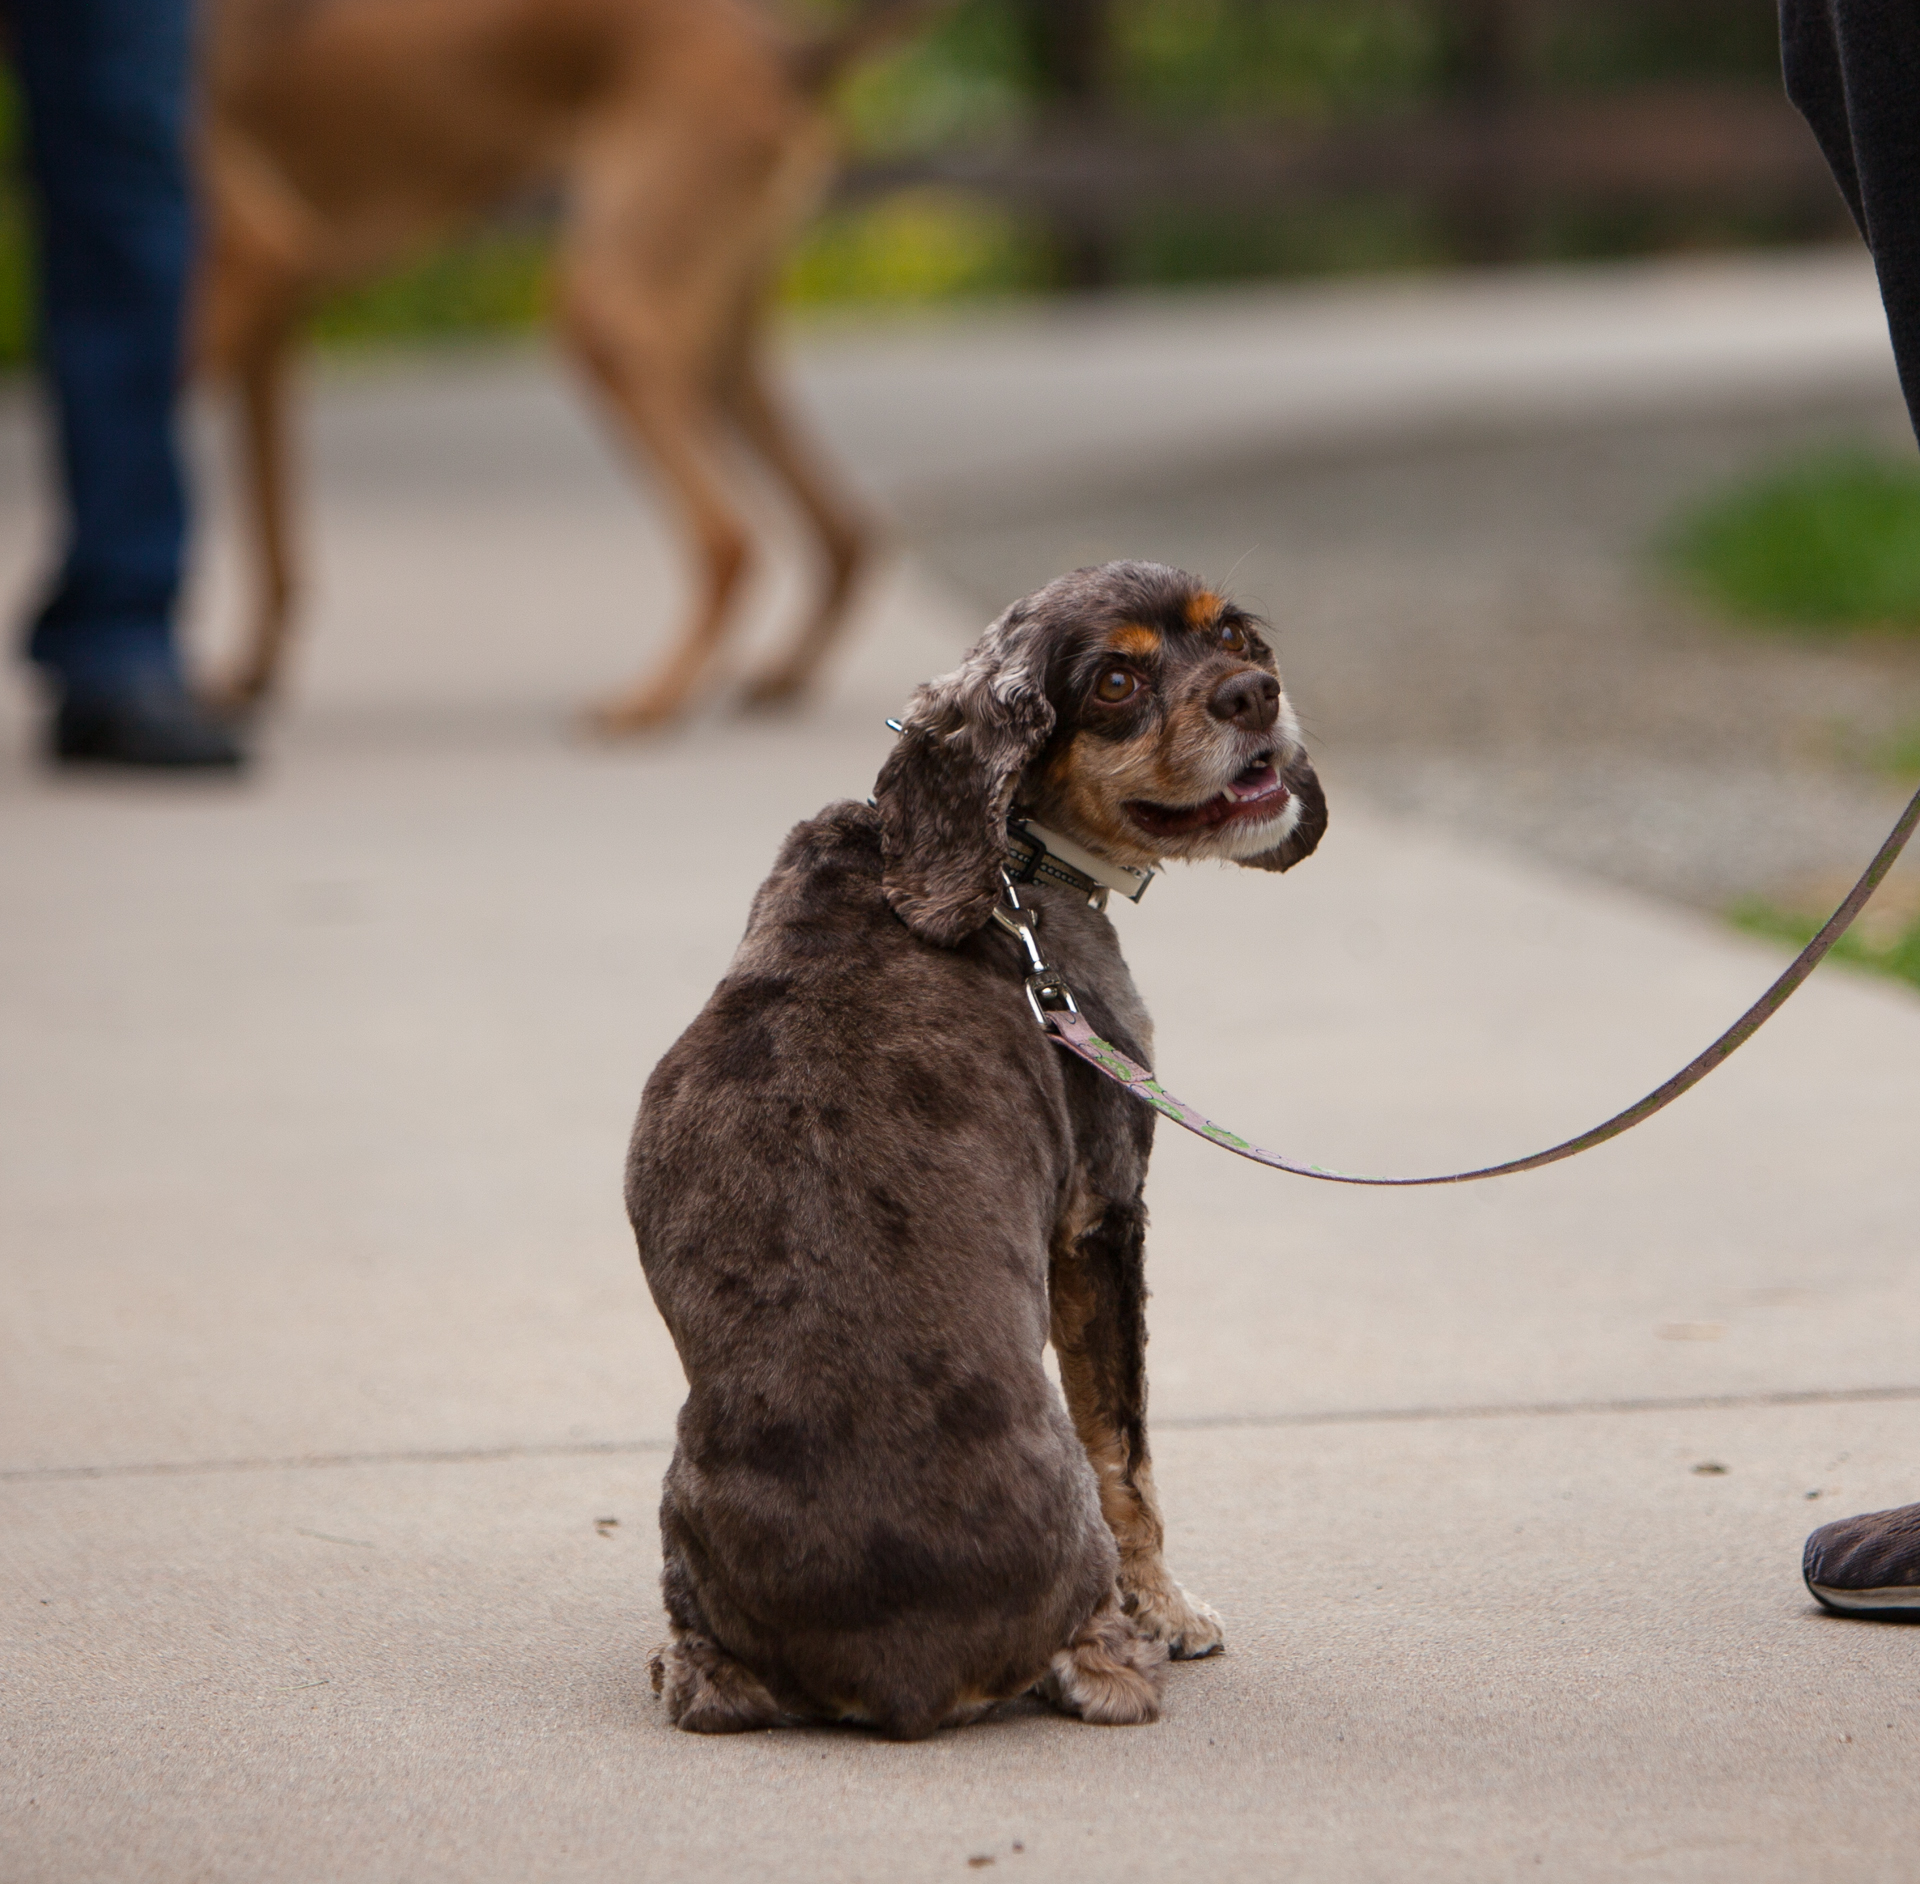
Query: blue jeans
x=106, y=86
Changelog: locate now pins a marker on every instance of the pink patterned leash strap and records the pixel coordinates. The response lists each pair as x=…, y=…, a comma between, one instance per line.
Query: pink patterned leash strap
x=1072, y=1031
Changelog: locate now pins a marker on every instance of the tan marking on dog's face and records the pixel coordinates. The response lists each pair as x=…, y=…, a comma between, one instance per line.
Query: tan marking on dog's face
x=1203, y=608
x=1136, y=641
x=1089, y=781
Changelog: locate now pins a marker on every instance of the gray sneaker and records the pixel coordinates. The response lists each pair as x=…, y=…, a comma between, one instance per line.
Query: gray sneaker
x=1868, y=1566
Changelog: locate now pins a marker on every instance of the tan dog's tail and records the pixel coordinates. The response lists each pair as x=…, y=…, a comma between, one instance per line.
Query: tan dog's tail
x=872, y=25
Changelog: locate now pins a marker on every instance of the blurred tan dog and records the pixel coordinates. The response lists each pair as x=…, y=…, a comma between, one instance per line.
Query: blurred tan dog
x=688, y=142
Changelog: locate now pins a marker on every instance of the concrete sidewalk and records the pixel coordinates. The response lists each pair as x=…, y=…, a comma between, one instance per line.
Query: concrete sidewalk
x=334, y=1407
x=1133, y=391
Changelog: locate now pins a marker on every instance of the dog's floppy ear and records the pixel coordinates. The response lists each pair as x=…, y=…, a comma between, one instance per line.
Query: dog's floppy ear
x=1309, y=827
x=945, y=789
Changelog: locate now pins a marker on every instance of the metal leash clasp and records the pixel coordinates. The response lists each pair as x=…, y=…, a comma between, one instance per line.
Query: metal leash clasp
x=1046, y=991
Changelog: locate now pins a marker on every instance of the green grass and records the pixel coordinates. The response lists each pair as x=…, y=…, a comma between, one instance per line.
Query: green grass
x=1899, y=756
x=1828, y=542
x=1896, y=953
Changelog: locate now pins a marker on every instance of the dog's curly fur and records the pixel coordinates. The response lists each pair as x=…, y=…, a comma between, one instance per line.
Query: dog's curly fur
x=867, y=1192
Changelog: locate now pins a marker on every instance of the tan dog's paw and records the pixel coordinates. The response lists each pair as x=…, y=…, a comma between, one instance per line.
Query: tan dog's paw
x=628, y=715
x=775, y=691
x=232, y=696
x=1165, y=1613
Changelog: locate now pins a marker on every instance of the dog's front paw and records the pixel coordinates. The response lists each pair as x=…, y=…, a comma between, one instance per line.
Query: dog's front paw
x=1163, y=1612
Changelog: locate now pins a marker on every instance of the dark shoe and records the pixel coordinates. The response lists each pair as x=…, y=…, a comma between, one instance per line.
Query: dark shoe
x=157, y=724
x=1868, y=1566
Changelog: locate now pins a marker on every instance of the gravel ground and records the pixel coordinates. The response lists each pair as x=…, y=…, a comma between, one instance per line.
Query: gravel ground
x=1476, y=630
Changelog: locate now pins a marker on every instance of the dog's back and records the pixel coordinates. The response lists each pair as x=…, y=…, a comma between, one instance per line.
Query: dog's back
x=685, y=143
x=391, y=121
x=878, y=1504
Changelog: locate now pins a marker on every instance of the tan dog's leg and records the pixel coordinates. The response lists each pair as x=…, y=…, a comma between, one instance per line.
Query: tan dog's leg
x=1097, y=1285
x=842, y=536
x=663, y=262
x=663, y=407
x=263, y=396
x=252, y=289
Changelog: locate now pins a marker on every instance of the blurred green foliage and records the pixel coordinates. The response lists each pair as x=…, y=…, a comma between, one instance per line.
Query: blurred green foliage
x=969, y=79
x=976, y=79
x=16, y=282
x=918, y=245
x=1173, y=247
x=494, y=282
x=1897, y=954
x=1187, y=60
x=1828, y=542
x=976, y=74
x=979, y=77
x=1589, y=47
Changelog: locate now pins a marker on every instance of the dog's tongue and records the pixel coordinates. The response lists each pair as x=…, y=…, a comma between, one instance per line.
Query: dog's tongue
x=1255, y=782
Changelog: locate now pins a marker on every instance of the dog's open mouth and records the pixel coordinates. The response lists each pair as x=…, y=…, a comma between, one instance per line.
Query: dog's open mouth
x=1255, y=795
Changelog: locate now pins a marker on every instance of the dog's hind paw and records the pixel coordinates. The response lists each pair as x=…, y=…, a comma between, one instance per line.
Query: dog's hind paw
x=1108, y=1674
x=708, y=1692
x=1188, y=1628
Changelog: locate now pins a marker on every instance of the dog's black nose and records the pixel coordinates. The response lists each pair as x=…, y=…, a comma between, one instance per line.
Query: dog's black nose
x=1248, y=699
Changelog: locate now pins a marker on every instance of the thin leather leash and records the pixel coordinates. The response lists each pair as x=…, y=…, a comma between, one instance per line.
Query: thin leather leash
x=1056, y=1010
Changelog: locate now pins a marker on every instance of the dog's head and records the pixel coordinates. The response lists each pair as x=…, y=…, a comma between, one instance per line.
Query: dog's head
x=1127, y=707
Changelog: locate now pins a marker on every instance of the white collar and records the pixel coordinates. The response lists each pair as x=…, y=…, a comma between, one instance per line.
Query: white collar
x=1048, y=854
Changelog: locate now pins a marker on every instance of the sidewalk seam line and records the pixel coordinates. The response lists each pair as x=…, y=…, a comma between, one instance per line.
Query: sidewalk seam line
x=1193, y=1422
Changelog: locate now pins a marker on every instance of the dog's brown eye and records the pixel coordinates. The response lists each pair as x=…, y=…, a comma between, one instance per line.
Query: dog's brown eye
x=1233, y=637
x=1116, y=684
